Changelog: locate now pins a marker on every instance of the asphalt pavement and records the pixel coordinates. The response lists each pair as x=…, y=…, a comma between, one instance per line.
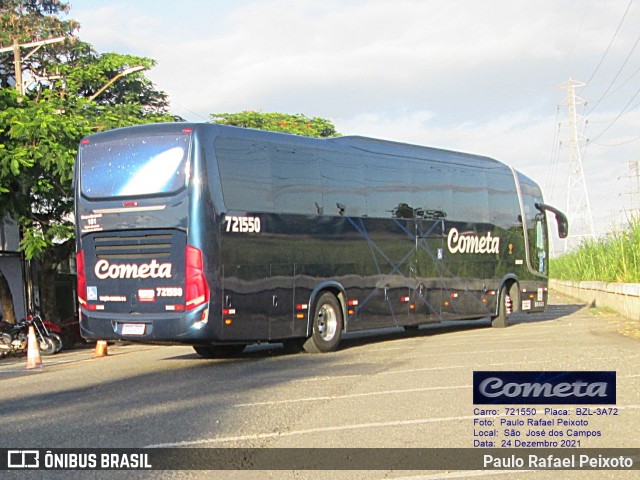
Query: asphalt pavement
x=383, y=389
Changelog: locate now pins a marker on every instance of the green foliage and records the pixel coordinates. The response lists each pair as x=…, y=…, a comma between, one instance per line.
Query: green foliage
x=40, y=130
x=70, y=91
x=614, y=258
x=278, y=122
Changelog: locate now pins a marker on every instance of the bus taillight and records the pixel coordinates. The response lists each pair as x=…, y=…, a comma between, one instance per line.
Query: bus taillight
x=82, y=278
x=196, y=287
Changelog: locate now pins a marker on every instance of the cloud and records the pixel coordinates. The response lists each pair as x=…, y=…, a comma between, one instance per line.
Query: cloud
x=480, y=77
x=284, y=55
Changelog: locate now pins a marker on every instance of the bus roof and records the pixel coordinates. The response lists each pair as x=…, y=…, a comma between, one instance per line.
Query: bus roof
x=363, y=144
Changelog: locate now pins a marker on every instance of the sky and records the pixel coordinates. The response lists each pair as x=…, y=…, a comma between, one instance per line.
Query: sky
x=479, y=77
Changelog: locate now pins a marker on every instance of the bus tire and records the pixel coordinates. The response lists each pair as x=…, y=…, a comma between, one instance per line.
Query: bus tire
x=327, y=325
x=218, y=351
x=505, y=308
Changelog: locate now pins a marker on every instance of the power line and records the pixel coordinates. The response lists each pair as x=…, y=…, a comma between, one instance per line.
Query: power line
x=619, y=115
x=615, y=144
x=610, y=43
x=575, y=39
x=555, y=156
x=616, y=76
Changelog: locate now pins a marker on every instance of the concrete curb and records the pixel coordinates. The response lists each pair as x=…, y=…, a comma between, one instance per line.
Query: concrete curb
x=624, y=298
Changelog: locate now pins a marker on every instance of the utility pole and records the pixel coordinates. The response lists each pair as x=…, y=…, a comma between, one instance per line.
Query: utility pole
x=30, y=291
x=17, y=57
x=17, y=63
x=578, y=205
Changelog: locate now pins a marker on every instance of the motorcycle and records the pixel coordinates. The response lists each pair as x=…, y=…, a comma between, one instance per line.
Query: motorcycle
x=53, y=331
x=13, y=338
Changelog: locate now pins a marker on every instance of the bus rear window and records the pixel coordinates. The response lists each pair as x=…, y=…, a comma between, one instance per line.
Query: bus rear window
x=132, y=166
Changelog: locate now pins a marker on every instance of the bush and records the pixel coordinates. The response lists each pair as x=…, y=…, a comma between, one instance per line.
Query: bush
x=613, y=258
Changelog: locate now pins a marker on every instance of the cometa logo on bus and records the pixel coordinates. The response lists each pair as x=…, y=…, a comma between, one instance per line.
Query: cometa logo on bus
x=463, y=243
x=153, y=269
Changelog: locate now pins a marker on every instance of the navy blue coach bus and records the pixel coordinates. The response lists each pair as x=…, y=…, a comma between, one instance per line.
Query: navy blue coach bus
x=219, y=237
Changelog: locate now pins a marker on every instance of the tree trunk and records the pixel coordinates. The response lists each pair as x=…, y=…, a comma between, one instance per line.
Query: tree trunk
x=48, y=298
x=47, y=279
x=6, y=300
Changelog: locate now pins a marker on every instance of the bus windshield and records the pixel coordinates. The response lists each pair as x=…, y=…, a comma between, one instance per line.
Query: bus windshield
x=133, y=166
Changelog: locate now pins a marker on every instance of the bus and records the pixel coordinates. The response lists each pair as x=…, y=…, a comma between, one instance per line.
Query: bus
x=219, y=237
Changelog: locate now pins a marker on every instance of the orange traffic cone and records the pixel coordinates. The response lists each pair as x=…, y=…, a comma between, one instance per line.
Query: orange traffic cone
x=101, y=349
x=33, y=350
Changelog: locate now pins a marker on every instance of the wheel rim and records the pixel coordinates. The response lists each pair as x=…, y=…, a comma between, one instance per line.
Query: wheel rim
x=47, y=345
x=508, y=305
x=327, y=322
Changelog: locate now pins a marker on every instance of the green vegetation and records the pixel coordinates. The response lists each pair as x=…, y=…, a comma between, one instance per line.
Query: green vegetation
x=278, y=122
x=57, y=95
x=614, y=258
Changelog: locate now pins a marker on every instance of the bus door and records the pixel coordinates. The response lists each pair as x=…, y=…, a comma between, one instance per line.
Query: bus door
x=281, y=309
x=245, y=302
x=426, y=294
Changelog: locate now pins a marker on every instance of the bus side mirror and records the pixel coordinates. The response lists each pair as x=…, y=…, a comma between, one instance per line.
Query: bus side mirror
x=561, y=218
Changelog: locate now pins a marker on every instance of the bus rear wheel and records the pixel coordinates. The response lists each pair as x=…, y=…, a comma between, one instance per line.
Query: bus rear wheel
x=327, y=325
x=218, y=351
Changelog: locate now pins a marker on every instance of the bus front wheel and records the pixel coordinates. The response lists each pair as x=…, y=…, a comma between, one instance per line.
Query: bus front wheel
x=327, y=325
x=507, y=299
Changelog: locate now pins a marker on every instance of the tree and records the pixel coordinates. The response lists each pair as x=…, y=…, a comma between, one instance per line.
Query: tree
x=40, y=130
x=278, y=122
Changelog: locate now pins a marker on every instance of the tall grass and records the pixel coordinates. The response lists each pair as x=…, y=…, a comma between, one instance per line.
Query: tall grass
x=613, y=258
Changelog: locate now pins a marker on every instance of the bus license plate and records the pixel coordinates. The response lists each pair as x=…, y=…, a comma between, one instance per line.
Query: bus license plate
x=133, y=329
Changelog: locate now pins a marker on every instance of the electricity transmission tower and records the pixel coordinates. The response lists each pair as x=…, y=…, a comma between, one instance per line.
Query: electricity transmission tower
x=578, y=206
x=632, y=211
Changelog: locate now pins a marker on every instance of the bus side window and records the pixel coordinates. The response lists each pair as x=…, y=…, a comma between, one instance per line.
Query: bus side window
x=245, y=171
x=343, y=189
x=296, y=181
x=387, y=187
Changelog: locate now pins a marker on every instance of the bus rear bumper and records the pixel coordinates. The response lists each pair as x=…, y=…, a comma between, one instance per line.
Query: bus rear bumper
x=191, y=327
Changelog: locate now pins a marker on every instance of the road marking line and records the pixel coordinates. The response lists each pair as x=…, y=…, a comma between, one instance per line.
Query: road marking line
x=426, y=369
x=463, y=474
x=259, y=436
x=459, y=344
x=353, y=395
x=393, y=372
x=337, y=428
x=507, y=340
x=441, y=354
x=406, y=347
x=324, y=377
x=492, y=333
